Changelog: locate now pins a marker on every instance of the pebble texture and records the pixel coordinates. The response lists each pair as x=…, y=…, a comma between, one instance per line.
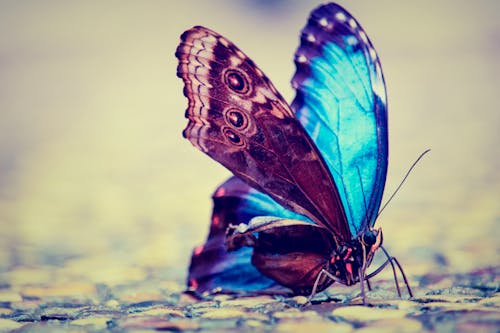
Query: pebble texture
x=471, y=302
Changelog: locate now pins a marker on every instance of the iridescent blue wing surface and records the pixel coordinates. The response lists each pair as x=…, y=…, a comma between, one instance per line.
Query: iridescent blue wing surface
x=212, y=267
x=341, y=102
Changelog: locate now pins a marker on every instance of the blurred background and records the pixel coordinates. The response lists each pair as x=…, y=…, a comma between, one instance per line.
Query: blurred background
x=94, y=172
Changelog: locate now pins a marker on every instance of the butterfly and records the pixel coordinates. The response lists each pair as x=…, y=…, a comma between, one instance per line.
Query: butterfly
x=308, y=180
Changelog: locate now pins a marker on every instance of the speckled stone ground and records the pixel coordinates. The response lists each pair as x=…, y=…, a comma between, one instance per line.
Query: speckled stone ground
x=45, y=301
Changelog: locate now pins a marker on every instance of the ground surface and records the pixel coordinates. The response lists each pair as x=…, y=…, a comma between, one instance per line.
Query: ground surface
x=47, y=301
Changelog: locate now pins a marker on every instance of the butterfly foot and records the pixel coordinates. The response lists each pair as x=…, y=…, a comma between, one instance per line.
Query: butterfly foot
x=307, y=302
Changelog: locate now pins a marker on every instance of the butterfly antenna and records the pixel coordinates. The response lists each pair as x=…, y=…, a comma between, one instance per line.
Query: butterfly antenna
x=402, y=182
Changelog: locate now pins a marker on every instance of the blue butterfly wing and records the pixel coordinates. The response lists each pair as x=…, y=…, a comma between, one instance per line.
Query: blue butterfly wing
x=341, y=102
x=215, y=269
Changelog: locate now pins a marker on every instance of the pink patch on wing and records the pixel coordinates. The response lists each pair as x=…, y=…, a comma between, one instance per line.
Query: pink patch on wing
x=198, y=250
x=220, y=192
x=215, y=220
x=193, y=284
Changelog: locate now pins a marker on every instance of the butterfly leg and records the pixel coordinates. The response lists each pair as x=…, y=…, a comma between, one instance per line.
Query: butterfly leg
x=404, y=276
x=392, y=260
x=378, y=270
x=368, y=284
x=381, y=268
x=315, y=286
x=321, y=275
x=396, y=282
x=362, y=283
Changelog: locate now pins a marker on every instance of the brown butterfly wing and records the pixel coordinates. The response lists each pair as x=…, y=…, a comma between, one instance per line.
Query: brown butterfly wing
x=238, y=118
x=290, y=252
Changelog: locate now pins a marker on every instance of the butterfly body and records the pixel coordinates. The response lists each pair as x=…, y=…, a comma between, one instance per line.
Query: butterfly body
x=294, y=253
x=309, y=176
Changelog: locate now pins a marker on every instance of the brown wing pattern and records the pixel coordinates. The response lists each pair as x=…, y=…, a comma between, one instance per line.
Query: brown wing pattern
x=288, y=251
x=238, y=118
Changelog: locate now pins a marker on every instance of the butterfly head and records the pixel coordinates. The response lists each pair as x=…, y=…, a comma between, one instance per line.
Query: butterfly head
x=371, y=240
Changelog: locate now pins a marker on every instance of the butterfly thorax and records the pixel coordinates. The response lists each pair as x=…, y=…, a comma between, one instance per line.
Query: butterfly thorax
x=348, y=262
